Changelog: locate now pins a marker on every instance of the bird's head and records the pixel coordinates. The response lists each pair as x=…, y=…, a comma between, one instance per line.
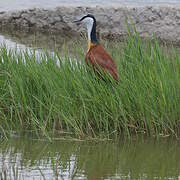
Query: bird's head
x=87, y=20
x=90, y=22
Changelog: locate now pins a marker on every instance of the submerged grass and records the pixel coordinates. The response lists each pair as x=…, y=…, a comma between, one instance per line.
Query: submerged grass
x=39, y=97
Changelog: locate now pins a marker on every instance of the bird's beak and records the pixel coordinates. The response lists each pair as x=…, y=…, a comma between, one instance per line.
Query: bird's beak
x=78, y=22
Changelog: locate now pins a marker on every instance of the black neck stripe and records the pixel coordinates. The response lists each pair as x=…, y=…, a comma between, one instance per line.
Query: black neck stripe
x=93, y=33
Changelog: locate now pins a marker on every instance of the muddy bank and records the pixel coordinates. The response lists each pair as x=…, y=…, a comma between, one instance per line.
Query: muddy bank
x=161, y=20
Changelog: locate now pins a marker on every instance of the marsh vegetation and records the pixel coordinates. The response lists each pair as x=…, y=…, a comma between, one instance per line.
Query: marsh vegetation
x=53, y=95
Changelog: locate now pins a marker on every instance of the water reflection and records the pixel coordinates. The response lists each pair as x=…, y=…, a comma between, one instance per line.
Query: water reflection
x=15, y=38
x=73, y=46
x=10, y=43
x=28, y=159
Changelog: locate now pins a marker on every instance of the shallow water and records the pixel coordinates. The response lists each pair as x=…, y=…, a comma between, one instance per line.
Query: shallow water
x=15, y=39
x=142, y=159
x=25, y=4
x=37, y=42
x=10, y=43
x=73, y=46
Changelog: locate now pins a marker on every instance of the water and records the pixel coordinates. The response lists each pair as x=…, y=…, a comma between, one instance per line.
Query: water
x=10, y=44
x=142, y=159
x=37, y=42
x=23, y=40
x=25, y=4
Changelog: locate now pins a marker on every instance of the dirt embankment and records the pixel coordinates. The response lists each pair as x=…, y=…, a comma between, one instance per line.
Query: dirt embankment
x=162, y=20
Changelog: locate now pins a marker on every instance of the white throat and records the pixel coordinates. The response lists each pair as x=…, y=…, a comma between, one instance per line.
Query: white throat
x=89, y=24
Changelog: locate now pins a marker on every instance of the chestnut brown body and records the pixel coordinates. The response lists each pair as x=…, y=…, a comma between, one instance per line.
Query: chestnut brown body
x=99, y=58
x=96, y=55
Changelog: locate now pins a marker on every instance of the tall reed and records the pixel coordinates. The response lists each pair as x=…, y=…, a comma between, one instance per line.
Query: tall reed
x=40, y=97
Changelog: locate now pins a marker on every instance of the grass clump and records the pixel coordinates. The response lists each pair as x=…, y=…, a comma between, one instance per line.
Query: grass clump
x=38, y=96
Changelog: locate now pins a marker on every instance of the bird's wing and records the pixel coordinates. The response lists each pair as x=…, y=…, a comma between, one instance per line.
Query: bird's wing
x=97, y=56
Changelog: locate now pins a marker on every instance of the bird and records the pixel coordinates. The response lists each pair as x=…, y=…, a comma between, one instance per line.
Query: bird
x=96, y=55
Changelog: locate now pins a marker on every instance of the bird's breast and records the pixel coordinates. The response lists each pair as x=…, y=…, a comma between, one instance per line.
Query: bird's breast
x=90, y=45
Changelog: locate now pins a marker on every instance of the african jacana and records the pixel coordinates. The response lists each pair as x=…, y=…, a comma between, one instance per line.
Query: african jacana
x=96, y=54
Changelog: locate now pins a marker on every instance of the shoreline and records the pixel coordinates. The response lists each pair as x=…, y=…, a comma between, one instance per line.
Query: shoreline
x=163, y=21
